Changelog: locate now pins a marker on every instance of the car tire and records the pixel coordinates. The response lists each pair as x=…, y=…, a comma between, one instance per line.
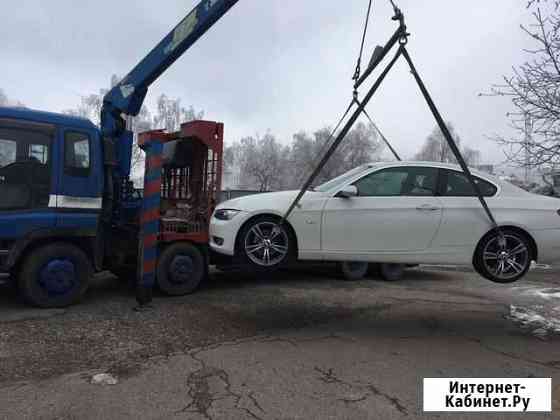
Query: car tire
x=55, y=276
x=353, y=270
x=264, y=234
x=180, y=269
x=391, y=272
x=491, y=262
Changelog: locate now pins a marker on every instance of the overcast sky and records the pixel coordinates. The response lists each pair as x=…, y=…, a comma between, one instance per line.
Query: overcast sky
x=278, y=65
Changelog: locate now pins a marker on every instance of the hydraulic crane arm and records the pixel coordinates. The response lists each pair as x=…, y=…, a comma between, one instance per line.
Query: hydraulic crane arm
x=127, y=97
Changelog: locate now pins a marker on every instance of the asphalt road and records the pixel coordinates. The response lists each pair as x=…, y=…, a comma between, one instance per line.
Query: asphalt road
x=300, y=344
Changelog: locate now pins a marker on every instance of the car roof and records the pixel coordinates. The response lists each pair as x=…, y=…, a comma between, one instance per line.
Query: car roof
x=28, y=114
x=442, y=165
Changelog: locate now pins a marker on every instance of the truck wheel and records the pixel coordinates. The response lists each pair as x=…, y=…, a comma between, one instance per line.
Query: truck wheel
x=180, y=269
x=55, y=276
x=353, y=270
x=391, y=272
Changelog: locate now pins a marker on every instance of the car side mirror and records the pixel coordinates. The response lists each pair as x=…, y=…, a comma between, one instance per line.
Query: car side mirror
x=348, y=192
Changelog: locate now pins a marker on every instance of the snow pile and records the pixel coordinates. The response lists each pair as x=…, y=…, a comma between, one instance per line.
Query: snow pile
x=548, y=293
x=104, y=379
x=536, y=319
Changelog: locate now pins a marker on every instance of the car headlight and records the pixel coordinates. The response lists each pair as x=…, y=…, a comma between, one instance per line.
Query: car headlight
x=225, y=214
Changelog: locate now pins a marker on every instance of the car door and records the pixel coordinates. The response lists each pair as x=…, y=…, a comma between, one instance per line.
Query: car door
x=396, y=210
x=464, y=220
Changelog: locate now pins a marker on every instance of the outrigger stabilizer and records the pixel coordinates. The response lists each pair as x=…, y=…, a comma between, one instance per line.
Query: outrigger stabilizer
x=399, y=39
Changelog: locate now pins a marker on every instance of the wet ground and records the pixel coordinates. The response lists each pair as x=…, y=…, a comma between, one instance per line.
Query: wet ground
x=299, y=344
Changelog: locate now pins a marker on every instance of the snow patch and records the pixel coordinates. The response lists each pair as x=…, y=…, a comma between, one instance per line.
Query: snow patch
x=104, y=379
x=548, y=293
x=535, y=266
x=535, y=319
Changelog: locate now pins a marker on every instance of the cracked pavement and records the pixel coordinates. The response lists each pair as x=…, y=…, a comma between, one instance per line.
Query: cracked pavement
x=295, y=345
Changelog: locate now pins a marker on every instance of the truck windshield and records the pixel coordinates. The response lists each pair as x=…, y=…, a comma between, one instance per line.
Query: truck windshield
x=24, y=168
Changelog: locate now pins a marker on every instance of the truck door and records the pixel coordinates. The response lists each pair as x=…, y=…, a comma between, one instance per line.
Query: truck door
x=26, y=180
x=79, y=193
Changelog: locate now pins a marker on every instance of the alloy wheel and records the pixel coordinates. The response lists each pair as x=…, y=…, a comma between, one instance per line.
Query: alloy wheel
x=508, y=258
x=266, y=244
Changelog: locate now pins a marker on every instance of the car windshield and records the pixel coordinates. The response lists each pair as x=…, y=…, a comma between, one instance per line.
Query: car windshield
x=339, y=181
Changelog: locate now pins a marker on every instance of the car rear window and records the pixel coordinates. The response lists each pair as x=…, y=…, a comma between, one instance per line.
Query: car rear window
x=457, y=185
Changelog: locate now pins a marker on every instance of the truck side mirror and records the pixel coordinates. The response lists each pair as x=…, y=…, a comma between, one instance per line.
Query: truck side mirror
x=348, y=192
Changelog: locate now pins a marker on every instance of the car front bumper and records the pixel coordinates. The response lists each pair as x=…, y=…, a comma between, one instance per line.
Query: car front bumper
x=223, y=233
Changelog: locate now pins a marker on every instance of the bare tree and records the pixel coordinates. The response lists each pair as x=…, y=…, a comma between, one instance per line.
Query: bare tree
x=170, y=114
x=3, y=98
x=471, y=156
x=436, y=148
x=360, y=146
x=534, y=92
x=89, y=107
x=6, y=101
x=263, y=162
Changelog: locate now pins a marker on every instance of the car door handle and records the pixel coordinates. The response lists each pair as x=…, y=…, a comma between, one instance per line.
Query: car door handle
x=428, y=207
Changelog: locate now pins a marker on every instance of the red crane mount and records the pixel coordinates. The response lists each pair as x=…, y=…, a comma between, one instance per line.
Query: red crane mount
x=183, y=178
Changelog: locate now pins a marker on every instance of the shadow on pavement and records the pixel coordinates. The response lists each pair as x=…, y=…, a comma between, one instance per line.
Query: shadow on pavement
x=105, y=286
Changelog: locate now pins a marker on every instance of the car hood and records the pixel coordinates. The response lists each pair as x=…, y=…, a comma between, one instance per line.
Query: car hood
x=275, y=201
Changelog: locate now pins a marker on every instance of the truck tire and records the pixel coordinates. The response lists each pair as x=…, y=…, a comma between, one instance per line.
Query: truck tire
x=55, y=276
x=353, y=271
x=180, y=269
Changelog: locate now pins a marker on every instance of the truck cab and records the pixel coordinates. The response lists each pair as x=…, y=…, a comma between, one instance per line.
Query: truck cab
x=51, y=189
x=68, y=207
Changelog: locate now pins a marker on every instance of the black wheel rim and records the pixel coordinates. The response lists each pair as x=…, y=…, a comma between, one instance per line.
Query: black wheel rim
x=58, y=277
x=181, y=269
x=507, y=259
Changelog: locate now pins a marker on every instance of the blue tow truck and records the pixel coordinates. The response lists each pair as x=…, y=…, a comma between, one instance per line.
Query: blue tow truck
x=67, y=206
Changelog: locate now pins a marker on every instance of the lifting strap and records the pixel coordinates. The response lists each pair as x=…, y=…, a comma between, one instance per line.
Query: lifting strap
x=449, y=138
x=401, y=37
x=341, y=135
x=376, y=128
x=325, y=146
x=359, y=64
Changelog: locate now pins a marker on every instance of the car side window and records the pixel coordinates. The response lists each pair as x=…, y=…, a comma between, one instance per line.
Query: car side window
x=405, y=181
x=458, y=185
x=384, y=183
x=76, y=153
x=421, y=181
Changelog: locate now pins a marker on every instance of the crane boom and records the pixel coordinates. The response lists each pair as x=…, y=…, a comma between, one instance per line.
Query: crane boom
x=127, y=97
x=129, y=94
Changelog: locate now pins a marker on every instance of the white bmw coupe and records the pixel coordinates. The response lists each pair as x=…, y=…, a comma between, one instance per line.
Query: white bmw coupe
x=399, y=213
